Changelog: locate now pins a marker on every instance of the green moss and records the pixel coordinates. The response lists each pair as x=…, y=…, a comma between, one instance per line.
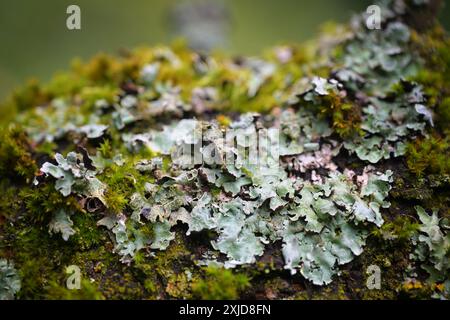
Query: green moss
x=16, y=161
x=434, y=47
x=87, y=235
x=103, y=268
x=101, y=69
x=41, y=260
x=10, y=204
x=430, y=155
x=178, y=286
x=167, y=272
x=29, y=96
x=105, y=149
x=400, y=229
x=64, y=85
x=120, y=284
x=443, y=111
x=220, y=284
x=122, y=182
x=345, y=117
x=38, y=257
x=90, y=95
x=116, y=201
x=335, y=292
x=41, y=202
x=391, y=255
x=87, y=291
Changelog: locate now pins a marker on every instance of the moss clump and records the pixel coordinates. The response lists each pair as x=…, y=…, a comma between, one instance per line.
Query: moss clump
x=41, y=202
x=16, y=161
x=87, y=235
x=39, y=258
x=392, y=257
x=167, y=274
x=344, y=115
x=220, y=284
x=32, y=94
x=335, y=292
x=87, y=291
x=178, y=286
x=400, y=229
x=434, y=47
x=431, y=155
x=425, y=156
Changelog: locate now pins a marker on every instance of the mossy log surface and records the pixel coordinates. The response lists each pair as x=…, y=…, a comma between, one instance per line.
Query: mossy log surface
x=88, y=176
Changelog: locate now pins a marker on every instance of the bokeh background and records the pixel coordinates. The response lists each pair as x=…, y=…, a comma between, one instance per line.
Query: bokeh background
x=34, y=40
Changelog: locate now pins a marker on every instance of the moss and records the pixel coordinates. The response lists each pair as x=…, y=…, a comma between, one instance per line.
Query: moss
x=87, y=291
x=102, y=69
x=223, y=120
x=335, y=292
x=10, y=204
x=42, y=259
x=40, y=202
x=150, y=287
x=116, y=200
x=87, y=235
x=434, y=47
x=120, y=284
x=407, y=188
x=64, y=84
x=16, y=160
x=90, y=95
x=344, y=116
x=122, y=182
x=388, y=248
x=178, y=286
x=431, y=155
x=103, y=268
x=29, y=96
x=220, y=284
x=346, y=119
x=418, y=290
x=38, y=257
x=402, y=228
x=167, y=272
x=105, y=149
x=391, y=255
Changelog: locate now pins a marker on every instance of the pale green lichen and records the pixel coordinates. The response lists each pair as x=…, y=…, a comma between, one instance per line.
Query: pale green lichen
x=433, y=245
x=9, y=280
x=61, y=223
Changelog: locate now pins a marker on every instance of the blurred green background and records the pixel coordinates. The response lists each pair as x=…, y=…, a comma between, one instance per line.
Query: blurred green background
x=35, y=42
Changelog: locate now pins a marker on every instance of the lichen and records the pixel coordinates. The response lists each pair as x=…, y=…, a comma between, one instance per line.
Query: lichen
x=9, y=280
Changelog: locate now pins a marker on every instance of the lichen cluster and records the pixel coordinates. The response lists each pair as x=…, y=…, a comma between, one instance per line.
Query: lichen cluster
x=353, y=133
